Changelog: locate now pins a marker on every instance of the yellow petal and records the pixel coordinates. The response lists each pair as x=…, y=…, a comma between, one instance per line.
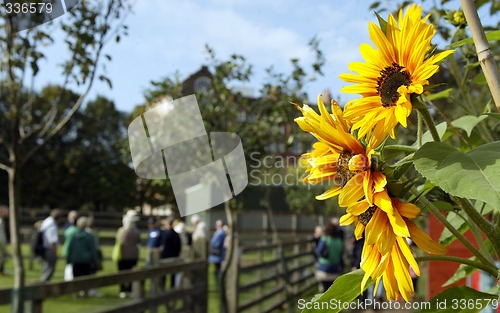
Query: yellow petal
x=405, y=249
x=332, y=192
x=352, y=191
x=423, y=241
x=406, y=209
x=358, y=231
x=347, y=219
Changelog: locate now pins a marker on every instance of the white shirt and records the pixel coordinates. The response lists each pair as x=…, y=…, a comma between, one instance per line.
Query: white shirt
x=49, y=229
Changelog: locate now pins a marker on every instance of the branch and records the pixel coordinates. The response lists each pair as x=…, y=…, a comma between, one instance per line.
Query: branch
x=47, y=135
x=4, y=163
x=484, y=53
x=489, y=269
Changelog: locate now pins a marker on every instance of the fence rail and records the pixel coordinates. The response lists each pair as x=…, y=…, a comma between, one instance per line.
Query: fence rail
x=193, y=297
x=268, y=277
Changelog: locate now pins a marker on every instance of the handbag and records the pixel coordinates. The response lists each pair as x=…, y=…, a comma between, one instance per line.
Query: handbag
x=116, y=255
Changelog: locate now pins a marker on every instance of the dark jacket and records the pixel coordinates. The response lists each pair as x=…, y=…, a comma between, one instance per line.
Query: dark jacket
x=329, y=252
x=82, y=249
x=171, y=244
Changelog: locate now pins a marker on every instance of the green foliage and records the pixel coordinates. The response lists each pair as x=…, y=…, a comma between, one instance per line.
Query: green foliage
x=344, y=290
x=473, y=175
x=458, y=222
x=462, y=272
x=468, y=122
x=491, y=36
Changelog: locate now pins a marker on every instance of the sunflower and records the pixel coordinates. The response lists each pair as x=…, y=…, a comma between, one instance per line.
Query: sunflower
x=386, y=254
x=393, y=72
x=338, y=156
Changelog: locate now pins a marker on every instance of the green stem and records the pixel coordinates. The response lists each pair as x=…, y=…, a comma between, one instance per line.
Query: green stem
x=487, y=228
x=406, y=159
x=420, y=129
x=452, y=229
x=426, y=115
x=403, y=148
x=477, y=235
x=489, y=269
x=461, y=84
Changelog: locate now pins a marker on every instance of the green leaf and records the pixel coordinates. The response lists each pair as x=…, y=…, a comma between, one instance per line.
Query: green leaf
x=468, y=122
x=381, y=22
x=475, y=175
x=460, y=299
x=374, y=5
x=344, y=290
x=495, y=115
x=458, y=223
x=463, y=271
x=491, y=36
x=440, y=95
x=443, y=206
x=480, y=79
x=423, y=190
x=427, y=137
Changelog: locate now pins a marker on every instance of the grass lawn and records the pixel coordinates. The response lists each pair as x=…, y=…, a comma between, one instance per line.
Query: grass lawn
x=71, y=304
x=109, y=295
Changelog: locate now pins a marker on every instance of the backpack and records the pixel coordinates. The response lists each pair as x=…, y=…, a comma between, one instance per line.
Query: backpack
x=37, y=247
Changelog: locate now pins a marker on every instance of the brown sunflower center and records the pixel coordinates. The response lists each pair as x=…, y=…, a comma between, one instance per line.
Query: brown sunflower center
x=390, y=79
x=366, y=216
x=343, y=172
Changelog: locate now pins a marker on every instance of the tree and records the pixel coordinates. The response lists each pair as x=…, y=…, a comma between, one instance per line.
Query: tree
x=25, y=128
x=264, y=124
x=82, y=168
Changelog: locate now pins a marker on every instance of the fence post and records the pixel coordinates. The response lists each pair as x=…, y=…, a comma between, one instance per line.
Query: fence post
x=31, y=305
x=138, y=290
x=294, y=224
x=232, y=279
x=199, y=277
x=265, y=225
x=154, y=289
x=260, y=276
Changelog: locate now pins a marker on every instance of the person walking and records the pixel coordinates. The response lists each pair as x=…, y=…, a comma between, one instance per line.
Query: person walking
x=128, y=239
x=49, y=228
x=71, y=219
x=171, y=243
x=99, y=264
x=330, y=252
x=82, y=251
x=154, y=242
x=216, y=249
x=70, y=229
x=199, y=237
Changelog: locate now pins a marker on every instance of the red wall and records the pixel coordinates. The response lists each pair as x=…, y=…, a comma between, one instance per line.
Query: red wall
x=439, y=271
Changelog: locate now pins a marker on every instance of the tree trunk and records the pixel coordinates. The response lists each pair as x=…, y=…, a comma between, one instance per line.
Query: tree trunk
x=17, y=257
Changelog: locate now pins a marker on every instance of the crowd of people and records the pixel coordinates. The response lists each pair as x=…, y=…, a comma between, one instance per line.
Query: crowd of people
x=166, y=238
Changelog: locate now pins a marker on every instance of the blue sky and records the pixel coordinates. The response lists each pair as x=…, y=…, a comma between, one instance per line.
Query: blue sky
x=166, y=36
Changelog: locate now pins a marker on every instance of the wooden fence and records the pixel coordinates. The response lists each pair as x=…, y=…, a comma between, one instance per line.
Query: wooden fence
x=270, y=277
x=189, y=299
